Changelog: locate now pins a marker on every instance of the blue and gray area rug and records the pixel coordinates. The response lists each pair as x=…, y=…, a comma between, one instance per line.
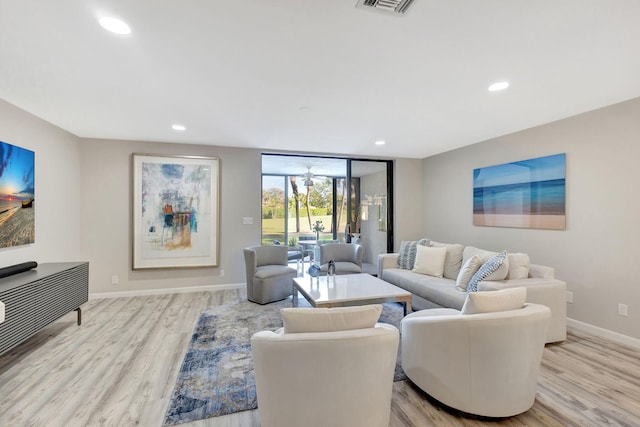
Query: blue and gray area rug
x=216, y=377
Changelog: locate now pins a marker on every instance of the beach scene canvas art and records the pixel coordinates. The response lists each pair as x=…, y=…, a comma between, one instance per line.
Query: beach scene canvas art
x=175, y=204
x=17, y=196
x=525, y=194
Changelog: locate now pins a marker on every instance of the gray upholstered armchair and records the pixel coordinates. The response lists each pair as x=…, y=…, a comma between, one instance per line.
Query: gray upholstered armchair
x=269, y=278
x=347, y=257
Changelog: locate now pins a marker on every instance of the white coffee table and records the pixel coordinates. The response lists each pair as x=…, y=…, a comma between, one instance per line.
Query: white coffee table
x=348, y=289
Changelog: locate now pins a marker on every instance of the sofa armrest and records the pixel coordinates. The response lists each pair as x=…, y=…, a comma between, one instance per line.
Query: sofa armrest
x=541, y=271
x=386, y=261
x=496, y=285
x=549, y=292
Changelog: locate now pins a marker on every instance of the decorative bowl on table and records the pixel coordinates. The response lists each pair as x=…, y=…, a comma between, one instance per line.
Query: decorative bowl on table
x=314, y=270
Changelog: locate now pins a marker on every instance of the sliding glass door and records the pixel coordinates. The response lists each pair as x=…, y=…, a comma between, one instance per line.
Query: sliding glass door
x=309, y=198
x=274, y=212
x=370, y=207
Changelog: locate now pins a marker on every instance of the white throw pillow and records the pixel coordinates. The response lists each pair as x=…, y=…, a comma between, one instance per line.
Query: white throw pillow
x=299, y=320
x=491, y=301
x=453, y=261
x=518, y=266
x=500, y=274
x=467, y=271
x=430, y=261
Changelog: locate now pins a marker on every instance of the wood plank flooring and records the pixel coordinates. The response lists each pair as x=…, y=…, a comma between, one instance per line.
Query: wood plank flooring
x=120, y=366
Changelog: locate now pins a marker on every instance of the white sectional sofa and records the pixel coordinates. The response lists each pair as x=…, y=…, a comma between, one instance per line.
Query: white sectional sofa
x=438, y=292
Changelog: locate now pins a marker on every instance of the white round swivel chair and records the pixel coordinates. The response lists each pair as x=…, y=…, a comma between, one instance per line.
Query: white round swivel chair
x=485, y=364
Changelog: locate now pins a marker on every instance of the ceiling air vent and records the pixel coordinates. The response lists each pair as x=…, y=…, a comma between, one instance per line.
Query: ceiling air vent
x=394, y=7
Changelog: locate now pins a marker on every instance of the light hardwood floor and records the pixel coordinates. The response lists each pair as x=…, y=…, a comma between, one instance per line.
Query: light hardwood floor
x=119, y=369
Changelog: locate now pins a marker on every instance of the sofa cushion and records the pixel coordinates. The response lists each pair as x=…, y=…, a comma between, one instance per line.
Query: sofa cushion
x=486, y=271
x=301, y=320
x=430, y=260
x=407, y=253
x=453, y=262
x=518, y=266
x=470, y=251
x=499, y=274
x=438, y=290
x=489, y=302
x=467, y=271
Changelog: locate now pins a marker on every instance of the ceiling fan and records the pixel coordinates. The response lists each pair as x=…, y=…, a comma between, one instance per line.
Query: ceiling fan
x=308, y=178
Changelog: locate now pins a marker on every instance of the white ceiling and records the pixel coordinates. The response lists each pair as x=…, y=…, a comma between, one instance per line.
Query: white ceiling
x=318, y=166
x=317, y=76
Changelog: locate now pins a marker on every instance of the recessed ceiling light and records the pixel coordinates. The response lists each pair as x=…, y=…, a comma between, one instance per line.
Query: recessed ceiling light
x=498, y=86
x=114, y=25
x=380, y=142
x=179, y=128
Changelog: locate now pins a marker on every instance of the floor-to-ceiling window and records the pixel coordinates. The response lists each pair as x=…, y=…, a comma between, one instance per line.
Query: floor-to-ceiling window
x=346, y=200
x=274, y=224
x=291, y=209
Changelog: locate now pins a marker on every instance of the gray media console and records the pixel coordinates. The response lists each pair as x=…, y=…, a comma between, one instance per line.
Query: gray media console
x=36, y=298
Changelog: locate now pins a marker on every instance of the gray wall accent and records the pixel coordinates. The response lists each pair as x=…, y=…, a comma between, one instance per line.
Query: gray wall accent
x=107, y=224
x=597, y=254
x=408, y=195
x=106, y=214
x=57, y=187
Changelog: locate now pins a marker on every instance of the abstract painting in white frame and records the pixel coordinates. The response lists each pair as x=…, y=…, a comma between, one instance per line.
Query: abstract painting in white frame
x=175, y=211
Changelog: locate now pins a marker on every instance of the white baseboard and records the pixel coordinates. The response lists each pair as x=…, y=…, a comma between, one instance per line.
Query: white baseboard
x=604, y=333
x=144, y=292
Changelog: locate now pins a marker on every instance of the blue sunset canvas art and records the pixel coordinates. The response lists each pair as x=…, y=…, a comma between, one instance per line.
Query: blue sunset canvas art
x=17, y=196
x=526, y=194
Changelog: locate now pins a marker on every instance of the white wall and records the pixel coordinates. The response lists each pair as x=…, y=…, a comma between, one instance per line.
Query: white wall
x=597, y=253
x=57, y=187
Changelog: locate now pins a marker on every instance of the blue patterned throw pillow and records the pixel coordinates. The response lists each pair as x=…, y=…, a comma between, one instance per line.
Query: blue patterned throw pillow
x=407, y=253
x=485, y=270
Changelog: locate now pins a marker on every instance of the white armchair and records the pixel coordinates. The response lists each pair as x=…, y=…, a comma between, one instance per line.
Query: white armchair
x=485, y=364
x=334, y=378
